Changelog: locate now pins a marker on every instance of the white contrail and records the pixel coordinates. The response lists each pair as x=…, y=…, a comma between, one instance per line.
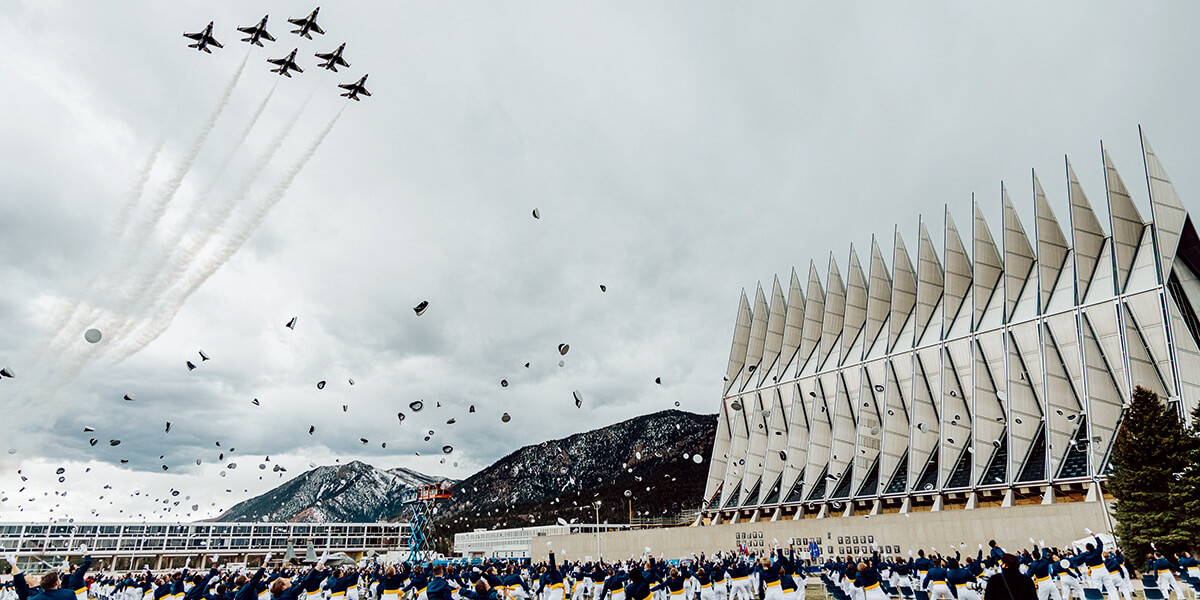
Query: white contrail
x=190, y=242
x=70, y=310
x=197, y=244
x=159, y=207
x=202, y=197
x=141, y=236
x=139, y=188
x=166, y=314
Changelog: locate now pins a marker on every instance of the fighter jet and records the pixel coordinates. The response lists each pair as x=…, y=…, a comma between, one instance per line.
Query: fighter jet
x=356, y=88
x=307, y=25
x=203, y=39
x=333, y=59
x=287, y=63
x=257, y=33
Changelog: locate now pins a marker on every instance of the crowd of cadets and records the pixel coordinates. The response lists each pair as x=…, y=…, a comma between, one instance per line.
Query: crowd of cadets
x=775, y=575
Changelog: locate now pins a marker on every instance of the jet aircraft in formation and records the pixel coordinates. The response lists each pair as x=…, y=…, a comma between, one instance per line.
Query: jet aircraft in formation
x=203, y=39
x=287, y=63
x=307, y=25
x=356, y=88
x=257, y=33
x=284, y=66
x=333, y=59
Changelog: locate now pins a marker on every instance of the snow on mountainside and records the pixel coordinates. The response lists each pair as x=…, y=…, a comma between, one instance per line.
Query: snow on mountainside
x=354, y=492
x=652, y=457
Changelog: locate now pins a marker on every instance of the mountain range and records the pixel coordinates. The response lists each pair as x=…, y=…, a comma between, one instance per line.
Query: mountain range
x=644, y=467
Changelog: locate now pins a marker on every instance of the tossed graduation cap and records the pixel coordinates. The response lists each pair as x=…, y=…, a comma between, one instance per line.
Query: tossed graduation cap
x=578, y=398
x=114, y=442
x=416, y=405
x=363, y=440
x=420, y=308
x=677, y=403
x=190, y=366
x=93, y=441
x=311, y=429
x=996, y=443
x=735, y=405
x=563, y=349
x=130, y=398
x=782, y=455
x=60, y=471
x=526, y=365
x=7, y=372
x=321, y=384
x=923, y=428
x=537, y=214
x=203, y=356
x=562, y=363
x=812, y=393
x=874, y=431
x=400, y=416
x=447, y=449
x=291, y=324
x=878, y=388
x=503, y=383
x=696, y=458
x=88, y=429
x=505, y=418
x=451, y=422
x=472, y=409
x=92, y=335
x=168, y=427
x=953, y=394
x=658, y=380
x=351, y=382
x=603, y=288
x=255, y=402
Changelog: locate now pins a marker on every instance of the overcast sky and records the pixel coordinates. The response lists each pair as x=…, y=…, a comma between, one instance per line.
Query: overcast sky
x=678, y=152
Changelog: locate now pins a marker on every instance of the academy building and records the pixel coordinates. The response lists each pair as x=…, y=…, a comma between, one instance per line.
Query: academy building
x=128, y=546
x=970, y=393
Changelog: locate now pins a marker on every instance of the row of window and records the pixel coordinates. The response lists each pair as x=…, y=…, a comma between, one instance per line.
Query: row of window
x=198, y=530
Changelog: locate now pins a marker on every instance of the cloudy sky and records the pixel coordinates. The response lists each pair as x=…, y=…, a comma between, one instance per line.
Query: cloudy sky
x=677, y=152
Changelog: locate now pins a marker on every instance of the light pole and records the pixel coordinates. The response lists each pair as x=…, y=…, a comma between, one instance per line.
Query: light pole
x=597, y=507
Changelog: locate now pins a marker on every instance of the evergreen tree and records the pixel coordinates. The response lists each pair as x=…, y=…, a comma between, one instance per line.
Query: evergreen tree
x=1148, y=457
x=1188, y=494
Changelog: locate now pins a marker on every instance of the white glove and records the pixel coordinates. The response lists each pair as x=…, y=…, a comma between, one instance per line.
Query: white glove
x=549, y=545
x=324, y=557
x=1042, y=543
x=267, y=558
x=910, y=552
x=932, y=548
x=214, y=558
x=775, y=541
x=83, y=548
x=981, y=546
x=11, y=558
x=187, y=562
x=1089, y=531
x=648, y=550
x=1033, y=541
x=1152, y=546
x=146, y=568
